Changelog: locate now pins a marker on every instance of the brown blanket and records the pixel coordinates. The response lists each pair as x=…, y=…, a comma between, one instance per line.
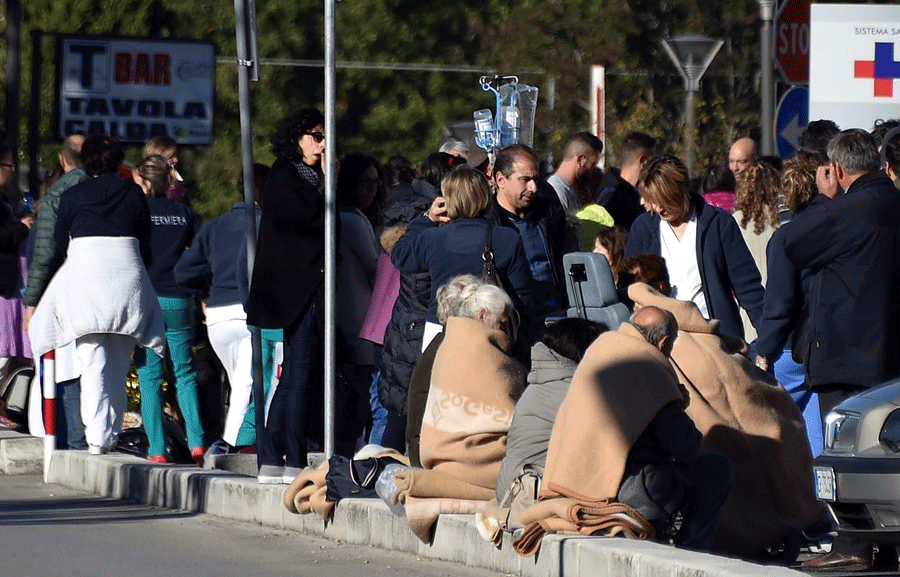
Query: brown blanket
x=426, y=484
x=617, y=389
x=474, y=387
x=746, y=415
x=307, y=493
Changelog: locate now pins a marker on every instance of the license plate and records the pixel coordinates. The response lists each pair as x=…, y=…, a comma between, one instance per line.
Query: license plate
x=825, y=484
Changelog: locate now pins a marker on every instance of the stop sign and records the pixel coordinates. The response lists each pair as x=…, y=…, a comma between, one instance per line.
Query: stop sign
x=792, y=41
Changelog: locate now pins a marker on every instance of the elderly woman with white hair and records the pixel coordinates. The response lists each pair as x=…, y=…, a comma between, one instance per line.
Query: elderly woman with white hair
x=471, y=385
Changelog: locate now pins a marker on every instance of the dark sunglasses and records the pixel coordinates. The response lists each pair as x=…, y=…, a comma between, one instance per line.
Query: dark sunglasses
x=317, y=136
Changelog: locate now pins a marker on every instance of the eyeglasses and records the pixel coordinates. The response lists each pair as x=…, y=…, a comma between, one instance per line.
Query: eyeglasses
x=316, y=135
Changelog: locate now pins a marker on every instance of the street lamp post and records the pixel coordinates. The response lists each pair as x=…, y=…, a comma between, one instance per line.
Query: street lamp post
x=767, y=81
x=692, y=55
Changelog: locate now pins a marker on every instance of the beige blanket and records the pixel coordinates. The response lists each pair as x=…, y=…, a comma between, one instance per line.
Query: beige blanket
x=746, y=415
x=474, y=388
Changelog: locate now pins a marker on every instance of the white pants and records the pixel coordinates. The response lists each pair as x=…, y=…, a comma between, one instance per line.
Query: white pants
x=105, y=359
x=230, y=339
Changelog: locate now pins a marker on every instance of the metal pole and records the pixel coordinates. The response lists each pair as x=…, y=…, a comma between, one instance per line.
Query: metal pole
x=330, y=228
x=241, y=15
x=13, y=85
x=767, y=80
x=34, y=181
x=690, y=123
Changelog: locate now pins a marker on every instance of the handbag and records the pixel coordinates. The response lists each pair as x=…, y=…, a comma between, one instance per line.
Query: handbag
x=489, y=274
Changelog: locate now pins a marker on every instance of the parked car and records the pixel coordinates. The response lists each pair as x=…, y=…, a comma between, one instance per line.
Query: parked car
x=858, y=473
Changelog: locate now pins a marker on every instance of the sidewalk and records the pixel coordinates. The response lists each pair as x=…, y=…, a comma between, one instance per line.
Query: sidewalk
x=360, y=521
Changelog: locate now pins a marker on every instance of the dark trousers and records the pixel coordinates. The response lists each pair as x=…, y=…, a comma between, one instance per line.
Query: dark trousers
x=708, y=486
x=283, y=440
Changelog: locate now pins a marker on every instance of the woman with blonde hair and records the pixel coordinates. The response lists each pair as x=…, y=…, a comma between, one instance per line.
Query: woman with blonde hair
x=168, y=149
x=706, y=256
x=459, y=246
x=174, y=227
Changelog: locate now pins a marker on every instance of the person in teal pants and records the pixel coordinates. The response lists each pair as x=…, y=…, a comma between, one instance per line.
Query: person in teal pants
x=271, y=338
x=174, y=226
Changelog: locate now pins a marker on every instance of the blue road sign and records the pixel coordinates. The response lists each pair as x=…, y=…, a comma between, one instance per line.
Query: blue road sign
x=790, y=120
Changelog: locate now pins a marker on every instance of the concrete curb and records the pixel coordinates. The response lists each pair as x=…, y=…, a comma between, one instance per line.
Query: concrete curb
x=369, y=522
x=20, y=454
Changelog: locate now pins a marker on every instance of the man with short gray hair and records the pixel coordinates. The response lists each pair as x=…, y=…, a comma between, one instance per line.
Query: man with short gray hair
x=851, y=248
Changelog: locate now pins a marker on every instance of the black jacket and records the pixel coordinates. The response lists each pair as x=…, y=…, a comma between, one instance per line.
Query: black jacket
x=12, y=234
x=105, y=205
x=724, y=261
x=403, y=337
x=784, y=309
x=621, y=200
x=173, y=230
x=289, y=270
x=550, y=216
x=851, y=245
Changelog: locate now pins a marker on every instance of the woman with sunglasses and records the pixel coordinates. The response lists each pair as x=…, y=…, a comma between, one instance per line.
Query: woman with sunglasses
x=287, y=287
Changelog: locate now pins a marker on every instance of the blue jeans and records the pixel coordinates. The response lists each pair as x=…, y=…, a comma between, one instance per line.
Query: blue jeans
x=69, y=419
x=283, y=440
x=790, y=374
x=178, y=314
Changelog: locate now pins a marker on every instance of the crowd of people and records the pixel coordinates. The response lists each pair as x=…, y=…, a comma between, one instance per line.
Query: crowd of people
x=760, y=297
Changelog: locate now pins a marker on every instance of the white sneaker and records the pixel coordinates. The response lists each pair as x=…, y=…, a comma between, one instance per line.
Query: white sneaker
x=270, y=475
x=97, y=450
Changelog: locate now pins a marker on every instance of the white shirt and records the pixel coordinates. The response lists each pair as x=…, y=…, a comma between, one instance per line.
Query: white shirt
x=681, y=262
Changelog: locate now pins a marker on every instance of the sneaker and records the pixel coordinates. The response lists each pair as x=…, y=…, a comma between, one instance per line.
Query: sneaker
x=97, y=450
x=219, y=447
x=197, y=454
x=270, y=475
x=158, y=459
x=290, y=473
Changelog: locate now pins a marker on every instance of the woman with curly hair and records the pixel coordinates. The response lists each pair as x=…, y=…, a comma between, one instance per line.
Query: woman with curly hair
x=287, y=288
x=706, y=256
x=756, y=209
x=782, y=337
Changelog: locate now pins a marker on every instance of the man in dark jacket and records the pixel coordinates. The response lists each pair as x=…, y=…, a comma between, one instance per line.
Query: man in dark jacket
x=617, y=192
x=532, y=208
x=852, y=247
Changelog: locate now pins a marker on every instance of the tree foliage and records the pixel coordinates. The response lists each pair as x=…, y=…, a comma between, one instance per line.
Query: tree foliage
x=388, y=112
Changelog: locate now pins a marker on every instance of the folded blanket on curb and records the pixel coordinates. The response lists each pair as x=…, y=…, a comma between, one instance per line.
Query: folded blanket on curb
x=307, y=493
x=569, y=517
x=429, y=484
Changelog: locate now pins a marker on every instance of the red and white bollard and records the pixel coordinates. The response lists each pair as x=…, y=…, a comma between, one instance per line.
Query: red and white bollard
x=49, y=386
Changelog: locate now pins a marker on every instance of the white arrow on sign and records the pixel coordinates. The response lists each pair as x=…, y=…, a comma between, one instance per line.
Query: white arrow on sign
x=792, y=131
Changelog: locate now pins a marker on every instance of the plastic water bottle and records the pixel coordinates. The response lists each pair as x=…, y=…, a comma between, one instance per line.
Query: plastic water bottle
x=510, y=125
x=484, y=128
x=385, y=487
